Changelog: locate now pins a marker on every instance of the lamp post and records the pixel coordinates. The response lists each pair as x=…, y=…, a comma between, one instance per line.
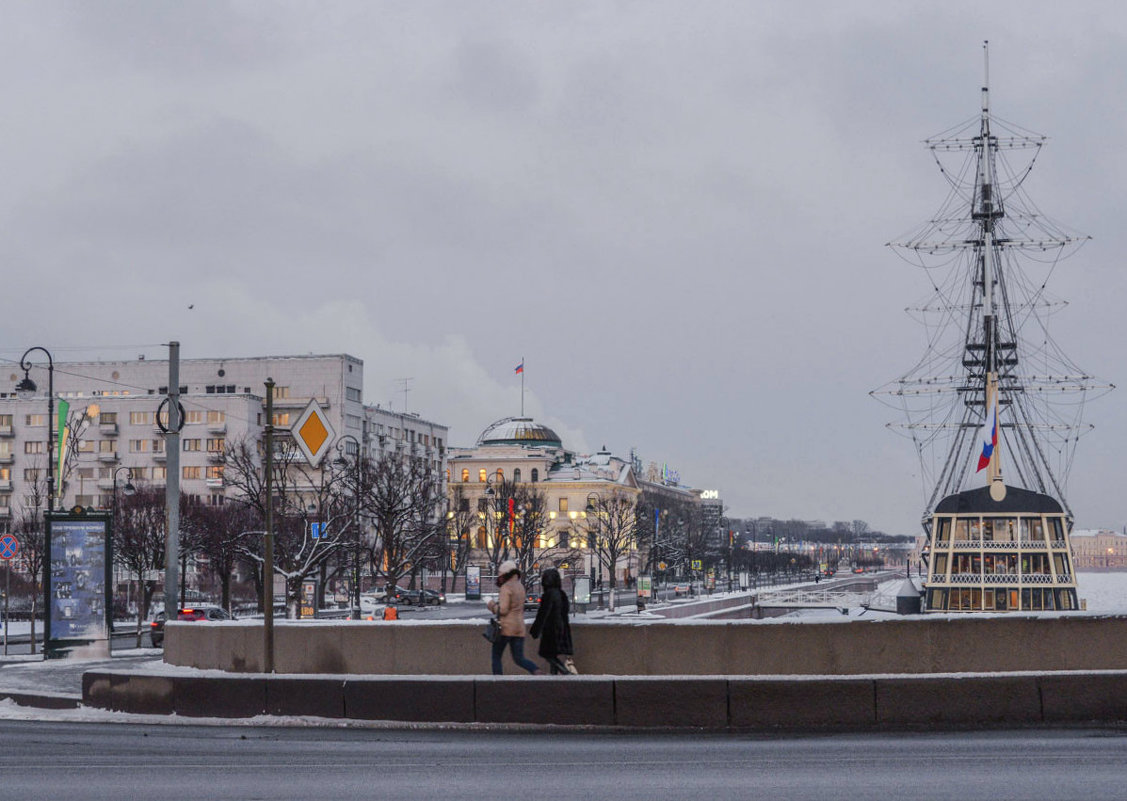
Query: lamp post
x=128, y=489
x=591, y=509
x=25, y=390
x=355, y=594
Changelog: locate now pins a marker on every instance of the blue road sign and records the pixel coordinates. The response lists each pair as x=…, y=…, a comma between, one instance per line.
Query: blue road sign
x=317, y=530
x=9, y=547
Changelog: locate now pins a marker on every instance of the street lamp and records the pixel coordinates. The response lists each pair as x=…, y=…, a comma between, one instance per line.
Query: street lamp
x=25, y=390
x=355, y=594
x=592, y=509
x=128, y=489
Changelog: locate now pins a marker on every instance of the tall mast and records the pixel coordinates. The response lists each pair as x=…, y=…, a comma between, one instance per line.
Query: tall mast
x=988, y=209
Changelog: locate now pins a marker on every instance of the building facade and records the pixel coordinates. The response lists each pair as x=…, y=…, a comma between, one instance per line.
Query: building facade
x=523, y=454
x=113, y=409
x=1100, y=549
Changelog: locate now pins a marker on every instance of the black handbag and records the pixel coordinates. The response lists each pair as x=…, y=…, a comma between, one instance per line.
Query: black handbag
x=492, y=630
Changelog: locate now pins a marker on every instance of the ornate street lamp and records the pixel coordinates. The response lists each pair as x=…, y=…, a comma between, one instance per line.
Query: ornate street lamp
x=25, y=390
x=128, y=489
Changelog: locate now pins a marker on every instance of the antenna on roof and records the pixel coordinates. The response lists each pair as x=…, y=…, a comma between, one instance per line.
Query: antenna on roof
x=406, y=388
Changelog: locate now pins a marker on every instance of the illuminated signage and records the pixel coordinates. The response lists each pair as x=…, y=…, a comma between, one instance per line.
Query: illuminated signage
x=710, y=495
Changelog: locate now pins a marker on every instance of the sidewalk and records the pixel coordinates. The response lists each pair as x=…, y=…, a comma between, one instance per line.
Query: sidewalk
x=29, y=680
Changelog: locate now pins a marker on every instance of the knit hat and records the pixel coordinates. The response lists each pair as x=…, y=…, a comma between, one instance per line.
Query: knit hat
x=508, y=566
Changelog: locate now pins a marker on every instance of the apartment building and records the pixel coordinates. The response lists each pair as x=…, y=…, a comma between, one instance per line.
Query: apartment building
x=113, y=408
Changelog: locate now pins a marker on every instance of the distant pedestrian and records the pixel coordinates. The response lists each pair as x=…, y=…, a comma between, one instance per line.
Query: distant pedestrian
x=509, y=609
x=551, y=624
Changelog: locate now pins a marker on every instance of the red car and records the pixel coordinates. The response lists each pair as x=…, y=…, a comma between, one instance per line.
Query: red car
x=156, y=628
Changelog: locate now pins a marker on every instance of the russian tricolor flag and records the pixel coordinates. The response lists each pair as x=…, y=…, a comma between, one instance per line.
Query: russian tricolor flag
x=989, y=437
x=519, y=368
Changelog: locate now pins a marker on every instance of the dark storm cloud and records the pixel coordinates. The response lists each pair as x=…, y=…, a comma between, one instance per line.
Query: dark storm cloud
x=675, y=213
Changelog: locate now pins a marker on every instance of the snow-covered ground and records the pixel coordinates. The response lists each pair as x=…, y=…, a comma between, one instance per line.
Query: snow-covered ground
x=1105, y=593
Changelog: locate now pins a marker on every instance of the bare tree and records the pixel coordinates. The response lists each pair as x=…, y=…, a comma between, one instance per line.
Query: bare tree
x=30, y=531
x=138, y=543
x=224, y=531
x=497, y=511
x=461, y=520
x=612, y=530
x=404, y=497
x=302, y=495
x=530, y=542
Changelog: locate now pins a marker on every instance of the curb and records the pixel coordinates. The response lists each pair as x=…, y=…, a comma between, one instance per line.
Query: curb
x=717, y=703
x=42, y=700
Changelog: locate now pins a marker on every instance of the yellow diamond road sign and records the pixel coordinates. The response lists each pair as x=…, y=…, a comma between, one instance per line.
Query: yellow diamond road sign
x=313, y=433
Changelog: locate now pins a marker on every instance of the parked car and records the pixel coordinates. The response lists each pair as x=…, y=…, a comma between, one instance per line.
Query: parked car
x=193, y=613
x=432, y=597
x=418, y=597
x=396, y=595
x=370, y=604
x=532, y=596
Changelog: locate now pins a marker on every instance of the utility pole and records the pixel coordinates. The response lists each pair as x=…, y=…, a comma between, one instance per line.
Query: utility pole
x=172, y=485
x=268, y=561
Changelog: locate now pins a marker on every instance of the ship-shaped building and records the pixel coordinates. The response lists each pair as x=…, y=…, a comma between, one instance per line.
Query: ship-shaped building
x=993, y=390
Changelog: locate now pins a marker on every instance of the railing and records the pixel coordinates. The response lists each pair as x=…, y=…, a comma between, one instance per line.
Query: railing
x=1004, y=545
x=6, y=431
x=1000, y=578
x=834, y=599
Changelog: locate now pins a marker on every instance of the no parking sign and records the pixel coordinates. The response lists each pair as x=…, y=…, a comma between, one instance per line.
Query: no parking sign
x=9, y=546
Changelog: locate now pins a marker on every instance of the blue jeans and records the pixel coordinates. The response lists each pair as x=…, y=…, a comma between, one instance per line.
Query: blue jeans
x=516, y=647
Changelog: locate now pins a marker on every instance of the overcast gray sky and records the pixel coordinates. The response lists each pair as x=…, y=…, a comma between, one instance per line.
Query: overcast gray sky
x=674, y=212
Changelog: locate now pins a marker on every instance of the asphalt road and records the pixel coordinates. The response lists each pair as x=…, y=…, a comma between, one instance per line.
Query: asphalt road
x=117, y=761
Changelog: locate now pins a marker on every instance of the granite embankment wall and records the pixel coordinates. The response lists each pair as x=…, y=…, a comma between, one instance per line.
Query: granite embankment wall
x=913, y=645
x=715, y=702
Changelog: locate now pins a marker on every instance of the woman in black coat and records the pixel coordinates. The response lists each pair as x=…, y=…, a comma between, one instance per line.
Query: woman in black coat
x=551, y=625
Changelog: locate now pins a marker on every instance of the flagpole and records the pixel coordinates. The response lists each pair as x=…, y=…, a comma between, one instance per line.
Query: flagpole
x=522, y=386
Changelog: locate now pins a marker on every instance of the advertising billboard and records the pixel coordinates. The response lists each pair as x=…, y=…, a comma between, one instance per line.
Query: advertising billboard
x=77, y=585
x=473, y=583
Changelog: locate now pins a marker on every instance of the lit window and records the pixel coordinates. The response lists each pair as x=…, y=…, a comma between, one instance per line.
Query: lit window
x=563, y=504
x=480, y=475
x=191, y=471
x=465, y=474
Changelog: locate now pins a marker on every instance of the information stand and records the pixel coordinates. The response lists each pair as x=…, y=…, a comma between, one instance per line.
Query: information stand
x=77, y=584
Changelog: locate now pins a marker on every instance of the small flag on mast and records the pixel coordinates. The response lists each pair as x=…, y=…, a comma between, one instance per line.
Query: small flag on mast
x=519, y=368
x=989, y=437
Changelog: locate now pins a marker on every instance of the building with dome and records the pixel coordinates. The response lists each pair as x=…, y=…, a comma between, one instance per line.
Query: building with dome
x=520, y=493
x=520, y=479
